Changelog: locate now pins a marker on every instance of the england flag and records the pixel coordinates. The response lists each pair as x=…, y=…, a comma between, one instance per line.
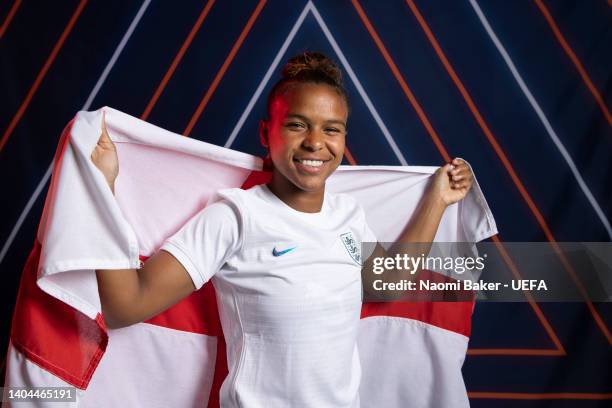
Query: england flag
x=411, y=352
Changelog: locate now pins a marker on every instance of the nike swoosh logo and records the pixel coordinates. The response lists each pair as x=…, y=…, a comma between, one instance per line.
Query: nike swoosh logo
x=275, y=252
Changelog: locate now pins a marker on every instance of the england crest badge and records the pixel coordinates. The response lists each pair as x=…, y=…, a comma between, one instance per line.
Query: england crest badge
x=352, y=246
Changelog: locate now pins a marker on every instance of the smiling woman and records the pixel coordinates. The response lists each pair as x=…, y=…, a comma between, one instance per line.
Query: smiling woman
x=284, y=258
x=306, y=129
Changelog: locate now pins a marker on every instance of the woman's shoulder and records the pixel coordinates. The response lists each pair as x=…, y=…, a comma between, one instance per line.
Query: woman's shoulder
x=238, y=192
x=237, y=196
x=343, y=201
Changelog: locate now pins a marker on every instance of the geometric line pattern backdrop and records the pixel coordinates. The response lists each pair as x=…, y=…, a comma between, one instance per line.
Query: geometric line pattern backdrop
x=521, y=89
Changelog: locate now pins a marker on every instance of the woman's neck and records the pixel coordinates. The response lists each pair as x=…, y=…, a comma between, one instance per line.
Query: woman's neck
x=294, y=197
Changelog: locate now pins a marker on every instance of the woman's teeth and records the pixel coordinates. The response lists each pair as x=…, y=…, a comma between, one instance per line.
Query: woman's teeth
x=313, y=163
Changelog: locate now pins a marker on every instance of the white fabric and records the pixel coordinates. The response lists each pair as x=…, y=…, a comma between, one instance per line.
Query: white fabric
x=164, y=180
x=21, y=372
x=162, y=368
x=402, y=357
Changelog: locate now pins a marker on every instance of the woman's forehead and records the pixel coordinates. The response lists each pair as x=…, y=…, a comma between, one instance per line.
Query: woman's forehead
x=310, y=99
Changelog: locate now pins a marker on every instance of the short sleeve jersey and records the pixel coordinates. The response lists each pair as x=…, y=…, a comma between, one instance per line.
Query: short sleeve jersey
x=288, y=287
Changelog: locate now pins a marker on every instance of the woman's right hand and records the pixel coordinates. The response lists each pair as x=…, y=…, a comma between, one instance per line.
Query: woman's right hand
x=105, y=157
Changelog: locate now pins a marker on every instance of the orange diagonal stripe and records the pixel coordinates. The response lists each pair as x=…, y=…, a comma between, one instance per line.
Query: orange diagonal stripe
x=349, y=157
x=9, y=17
x=177, y=59
x=415, y=104
x=540, y=396
x=224, y=67
x=572, y=56
x=400, y=79
x=515, y=352
x=41, y=75
x=510, y=169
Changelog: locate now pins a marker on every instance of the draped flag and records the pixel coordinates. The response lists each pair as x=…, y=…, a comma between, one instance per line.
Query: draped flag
x=411, y=353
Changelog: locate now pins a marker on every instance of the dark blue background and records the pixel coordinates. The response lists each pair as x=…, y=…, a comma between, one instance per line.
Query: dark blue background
x=520, y=26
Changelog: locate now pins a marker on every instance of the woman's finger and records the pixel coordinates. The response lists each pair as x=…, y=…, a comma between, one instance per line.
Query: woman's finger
x=462, y=173
x=104, y=130
x=460, y=168
x=105, y=139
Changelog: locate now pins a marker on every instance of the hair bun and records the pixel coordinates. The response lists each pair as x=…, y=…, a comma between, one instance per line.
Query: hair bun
x=312, y=66
x=308, y=67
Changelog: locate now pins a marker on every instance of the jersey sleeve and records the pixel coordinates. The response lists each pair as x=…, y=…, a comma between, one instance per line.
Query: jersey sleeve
x=206, y=241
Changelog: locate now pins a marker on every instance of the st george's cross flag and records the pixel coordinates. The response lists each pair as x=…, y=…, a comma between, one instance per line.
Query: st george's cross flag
x=411, y=352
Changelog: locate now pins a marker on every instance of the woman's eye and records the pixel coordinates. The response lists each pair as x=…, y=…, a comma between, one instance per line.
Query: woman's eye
x=295, y=125
x=333, y=130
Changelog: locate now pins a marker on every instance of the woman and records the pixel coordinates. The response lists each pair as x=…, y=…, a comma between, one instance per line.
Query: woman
x=283, y=257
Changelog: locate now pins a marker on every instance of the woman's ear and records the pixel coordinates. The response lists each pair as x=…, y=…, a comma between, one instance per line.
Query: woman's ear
x=263, y=133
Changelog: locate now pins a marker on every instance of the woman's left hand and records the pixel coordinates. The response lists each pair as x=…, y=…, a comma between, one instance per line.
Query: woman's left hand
x=452, y=182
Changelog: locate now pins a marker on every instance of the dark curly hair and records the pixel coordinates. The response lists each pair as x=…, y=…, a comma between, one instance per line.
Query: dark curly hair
x=312, y=67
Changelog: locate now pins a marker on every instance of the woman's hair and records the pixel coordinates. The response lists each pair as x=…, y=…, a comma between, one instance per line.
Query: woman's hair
x=312, y=67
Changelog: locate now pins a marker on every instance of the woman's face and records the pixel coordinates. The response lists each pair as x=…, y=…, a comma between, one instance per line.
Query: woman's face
x=306, y=133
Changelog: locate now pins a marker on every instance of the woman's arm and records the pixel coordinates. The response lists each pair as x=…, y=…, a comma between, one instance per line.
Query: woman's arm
x=449, y=184
x=130, y=296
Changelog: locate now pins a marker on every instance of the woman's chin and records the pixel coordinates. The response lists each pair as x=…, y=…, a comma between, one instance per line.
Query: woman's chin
x=309, y=183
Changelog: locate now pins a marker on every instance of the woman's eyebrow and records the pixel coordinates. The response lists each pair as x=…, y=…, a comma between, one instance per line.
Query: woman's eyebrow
x=297, y=116
x=305, y=119
x=337, y=121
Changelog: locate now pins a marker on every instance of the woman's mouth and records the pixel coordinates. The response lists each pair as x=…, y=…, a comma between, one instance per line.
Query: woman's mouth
x=310, y=166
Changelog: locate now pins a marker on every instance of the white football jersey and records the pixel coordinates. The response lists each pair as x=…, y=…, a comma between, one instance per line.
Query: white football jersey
x=289, y=293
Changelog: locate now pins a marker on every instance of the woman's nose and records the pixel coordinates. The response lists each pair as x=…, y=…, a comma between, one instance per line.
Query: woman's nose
x=313, y=140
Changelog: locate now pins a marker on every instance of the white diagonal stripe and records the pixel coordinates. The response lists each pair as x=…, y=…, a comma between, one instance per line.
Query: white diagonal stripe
x=364, y=96
x=94, y=92
x=536, y=107
x=266, y=78
x=310, y=7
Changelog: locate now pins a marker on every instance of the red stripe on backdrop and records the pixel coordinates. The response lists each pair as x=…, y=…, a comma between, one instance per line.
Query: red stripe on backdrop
x=177, y=59
x=41, y=75
x=218, y=77
x=425, y=121
x=9, y=17
x=575, y=60
x=247, y=28
x=540, y=396
x=495, y=395
x=411, y=98
x=510, y=169
x=559, y=349
x=349, y=156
